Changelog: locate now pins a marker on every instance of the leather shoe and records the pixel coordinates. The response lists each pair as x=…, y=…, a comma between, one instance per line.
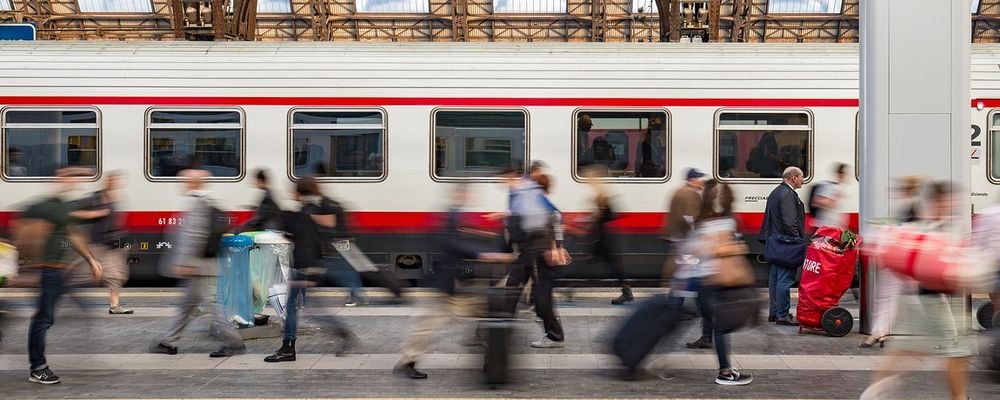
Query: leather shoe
x=703, y=342
x=226, y=352
x=787, y=320
x=409, y=370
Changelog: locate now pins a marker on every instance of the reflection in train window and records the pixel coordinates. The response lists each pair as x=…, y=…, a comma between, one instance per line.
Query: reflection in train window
x=478, y=144
x=338, y=144
x=182, y=139
x=630, y=144
x=37, y=142
x=761, y=144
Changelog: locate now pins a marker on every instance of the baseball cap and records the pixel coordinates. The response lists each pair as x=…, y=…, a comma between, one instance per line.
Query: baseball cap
x=694, y=173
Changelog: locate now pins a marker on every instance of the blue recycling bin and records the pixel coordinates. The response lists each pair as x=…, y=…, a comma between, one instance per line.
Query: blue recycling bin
x=234, y=289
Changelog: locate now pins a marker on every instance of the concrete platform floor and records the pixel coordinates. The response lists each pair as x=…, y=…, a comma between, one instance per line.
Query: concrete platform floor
x=104, y=356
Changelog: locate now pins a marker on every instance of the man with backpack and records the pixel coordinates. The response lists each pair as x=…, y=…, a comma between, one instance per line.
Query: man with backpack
x=41, y=235
x=194, y=260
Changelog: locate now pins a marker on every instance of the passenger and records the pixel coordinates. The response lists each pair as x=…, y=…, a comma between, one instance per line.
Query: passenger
x=714, y=226
x=198, y=272
x=682, y=211
x=764, y=158
x=98, y=215
x=337, y=268
x=53, y=215
x=603, y=152
x=606, y=246
x=532, y=214
x=449, y=303
x=317, y=214
x=826, y=199
x=584, y=123
x=934, y=321
x=649, y=152
x=784, y=214
x=267, y=216
x=15, y=163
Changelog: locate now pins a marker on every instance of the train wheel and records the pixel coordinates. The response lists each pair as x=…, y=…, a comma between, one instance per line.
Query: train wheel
x=837, y=321
x=985, y=315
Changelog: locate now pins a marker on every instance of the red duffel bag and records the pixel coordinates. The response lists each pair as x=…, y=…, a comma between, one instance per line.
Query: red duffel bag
x=827, y=273
x=937, y=260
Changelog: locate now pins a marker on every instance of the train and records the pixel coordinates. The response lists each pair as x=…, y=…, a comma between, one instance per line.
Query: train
x=388, y=128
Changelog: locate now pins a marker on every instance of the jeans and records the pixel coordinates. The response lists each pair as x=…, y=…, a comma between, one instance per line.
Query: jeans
x=339, y=271
x=52, y=289
x=296, y=292
x=706, y=295
x=779, y=288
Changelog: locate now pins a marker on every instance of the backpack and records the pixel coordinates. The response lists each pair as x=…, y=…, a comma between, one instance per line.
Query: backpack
x=813, y=211
x=218, y=226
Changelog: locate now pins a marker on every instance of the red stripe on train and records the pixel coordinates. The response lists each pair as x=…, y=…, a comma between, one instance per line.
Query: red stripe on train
x=428, y=221
x=421, y=101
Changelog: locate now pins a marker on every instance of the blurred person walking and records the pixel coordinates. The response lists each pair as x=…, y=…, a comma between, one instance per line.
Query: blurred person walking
x=309, y=227
x=825, y=200
x=682, y=211
x=605, y=247
x=40, y=235
x=99, y=217
x=784, y=215
x=267, y=215
x=935, y=321
x=450, y=302
x=194, y=261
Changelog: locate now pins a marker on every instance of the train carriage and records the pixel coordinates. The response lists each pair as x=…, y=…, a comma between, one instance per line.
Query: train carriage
x=387, y=127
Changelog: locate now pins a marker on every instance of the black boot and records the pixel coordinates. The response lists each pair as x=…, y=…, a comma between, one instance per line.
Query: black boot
x=625, y=298
x=409, y=370
x=285, y=353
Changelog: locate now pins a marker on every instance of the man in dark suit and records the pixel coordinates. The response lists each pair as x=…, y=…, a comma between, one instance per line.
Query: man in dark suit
x=783, y=215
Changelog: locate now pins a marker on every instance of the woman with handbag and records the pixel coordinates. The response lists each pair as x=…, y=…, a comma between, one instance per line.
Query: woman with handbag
x=722, y=277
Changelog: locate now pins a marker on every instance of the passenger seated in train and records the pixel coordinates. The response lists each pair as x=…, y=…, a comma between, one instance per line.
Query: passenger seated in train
x=649, y=153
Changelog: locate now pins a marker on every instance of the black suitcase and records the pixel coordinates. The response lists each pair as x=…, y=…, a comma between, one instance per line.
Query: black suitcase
x=497, y=328
x=652, y=320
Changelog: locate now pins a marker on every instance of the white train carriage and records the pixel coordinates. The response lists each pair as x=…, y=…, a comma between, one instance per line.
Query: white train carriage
x=388, y=126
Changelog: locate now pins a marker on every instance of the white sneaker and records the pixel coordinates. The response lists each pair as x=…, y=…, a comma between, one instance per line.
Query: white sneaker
x=735, y=378
x=546, y=343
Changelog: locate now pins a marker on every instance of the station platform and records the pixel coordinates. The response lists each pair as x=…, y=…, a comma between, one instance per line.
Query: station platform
x=98, y=355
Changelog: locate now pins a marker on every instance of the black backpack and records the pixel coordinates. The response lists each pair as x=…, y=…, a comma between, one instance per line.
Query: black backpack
x=812, y=196
x=218, y=223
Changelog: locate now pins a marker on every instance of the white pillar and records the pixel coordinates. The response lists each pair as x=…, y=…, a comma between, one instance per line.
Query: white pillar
x=915, y=104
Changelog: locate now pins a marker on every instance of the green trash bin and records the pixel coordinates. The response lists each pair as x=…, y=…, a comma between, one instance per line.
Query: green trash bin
x=269, y=264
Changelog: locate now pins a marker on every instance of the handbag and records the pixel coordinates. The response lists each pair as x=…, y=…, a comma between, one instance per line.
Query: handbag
x=785, y=251
x=732, y=267
x=735, y=308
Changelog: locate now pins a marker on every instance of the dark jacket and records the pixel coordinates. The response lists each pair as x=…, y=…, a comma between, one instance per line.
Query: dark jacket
x=455, y=249
x=784, y=214
x=268, y=215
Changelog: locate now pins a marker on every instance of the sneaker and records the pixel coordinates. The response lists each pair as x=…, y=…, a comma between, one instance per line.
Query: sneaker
x=44, y=376
x=734, y=378
x=351, y=303
x=118, y=309
x=546, y=343
x=703, y=342
x=163, y=348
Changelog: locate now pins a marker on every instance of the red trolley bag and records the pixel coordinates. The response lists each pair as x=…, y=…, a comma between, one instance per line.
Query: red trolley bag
x=827, y=273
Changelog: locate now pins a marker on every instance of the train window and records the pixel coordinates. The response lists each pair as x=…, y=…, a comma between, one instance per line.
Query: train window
x=629, y=144
x=182, y=138
x=761, y=144
x=348, y=144
x=39, y=141
x=994, y=146
x=478, y=143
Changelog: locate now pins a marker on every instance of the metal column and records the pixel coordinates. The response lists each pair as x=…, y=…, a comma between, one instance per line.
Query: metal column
x=915, y=105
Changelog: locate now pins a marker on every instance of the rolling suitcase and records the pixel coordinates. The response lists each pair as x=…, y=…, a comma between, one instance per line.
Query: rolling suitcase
x=652, y=320
x=498, y=328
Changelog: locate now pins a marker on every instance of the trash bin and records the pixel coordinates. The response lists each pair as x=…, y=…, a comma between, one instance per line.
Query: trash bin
x=270, y=259
x=234, y=289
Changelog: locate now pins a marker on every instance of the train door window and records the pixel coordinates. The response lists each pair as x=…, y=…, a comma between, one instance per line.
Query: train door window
x=478, y=143
x=346, y=145
x=761, y=144
x=38, y=141
x=630, y=145
x=179, y=139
